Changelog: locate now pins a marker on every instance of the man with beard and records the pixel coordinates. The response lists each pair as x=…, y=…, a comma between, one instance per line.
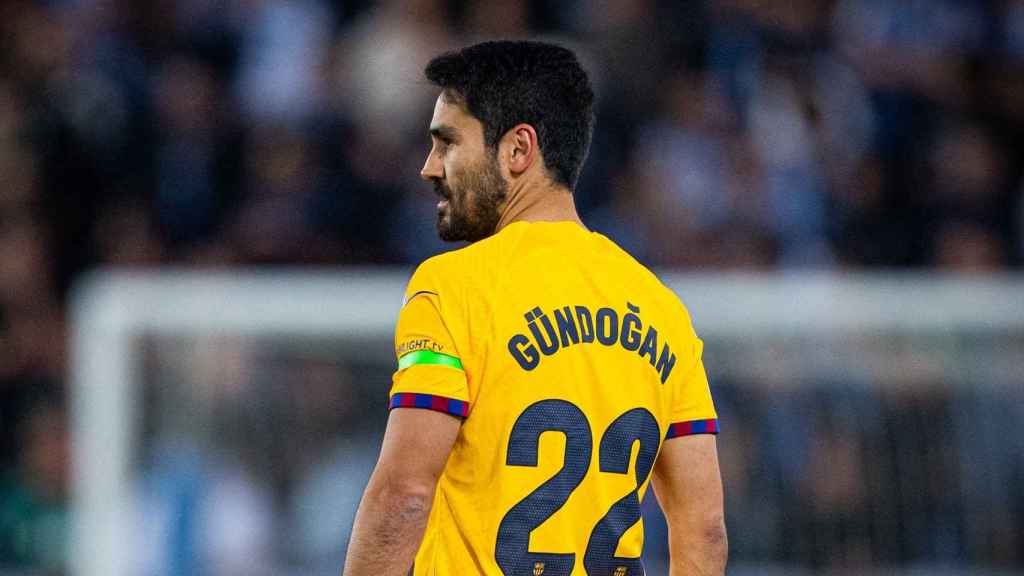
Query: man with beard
x=537, y=326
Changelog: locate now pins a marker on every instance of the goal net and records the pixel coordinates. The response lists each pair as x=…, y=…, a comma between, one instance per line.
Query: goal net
x=226, y=423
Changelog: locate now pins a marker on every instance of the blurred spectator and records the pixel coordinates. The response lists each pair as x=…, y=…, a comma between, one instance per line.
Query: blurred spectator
x=197, y=156
x=968, y=200
x=273, y=221
x=34, y=520
x=968, y=247
x=284, y=48
x=381, y=59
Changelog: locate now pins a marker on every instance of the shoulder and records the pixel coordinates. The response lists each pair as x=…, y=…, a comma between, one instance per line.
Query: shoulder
x=462, y=265
x=650, y=282
x=432, y=277
x=452, y=272
x=445, y=265
x=434, y=268
x=641, y=274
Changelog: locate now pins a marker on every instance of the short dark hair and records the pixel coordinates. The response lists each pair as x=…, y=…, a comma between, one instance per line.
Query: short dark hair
x=505, y=83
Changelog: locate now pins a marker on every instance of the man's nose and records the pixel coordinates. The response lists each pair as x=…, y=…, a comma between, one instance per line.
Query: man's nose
x=432, y=169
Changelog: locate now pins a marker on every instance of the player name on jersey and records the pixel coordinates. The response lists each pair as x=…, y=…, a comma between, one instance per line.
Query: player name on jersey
x=571, y=325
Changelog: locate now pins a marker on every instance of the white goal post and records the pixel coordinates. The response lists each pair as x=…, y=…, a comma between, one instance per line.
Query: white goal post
x=111, y=309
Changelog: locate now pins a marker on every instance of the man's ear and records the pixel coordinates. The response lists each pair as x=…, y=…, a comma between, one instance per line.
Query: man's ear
x=520, y=149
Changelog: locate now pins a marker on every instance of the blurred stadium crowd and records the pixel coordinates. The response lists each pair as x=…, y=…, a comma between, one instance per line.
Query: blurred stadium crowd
x=773, y=134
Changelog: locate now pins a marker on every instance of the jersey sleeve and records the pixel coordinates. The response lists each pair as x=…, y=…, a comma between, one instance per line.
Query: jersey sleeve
x=693, y=411
x=430, y=374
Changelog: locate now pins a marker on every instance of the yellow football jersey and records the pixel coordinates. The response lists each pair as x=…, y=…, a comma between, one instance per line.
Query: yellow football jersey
x=570, y=364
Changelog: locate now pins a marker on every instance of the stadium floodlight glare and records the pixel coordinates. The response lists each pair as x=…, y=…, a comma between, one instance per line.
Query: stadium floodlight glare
x=111, y=309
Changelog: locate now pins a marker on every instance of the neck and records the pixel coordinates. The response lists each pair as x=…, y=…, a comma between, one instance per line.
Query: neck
x=539, y=202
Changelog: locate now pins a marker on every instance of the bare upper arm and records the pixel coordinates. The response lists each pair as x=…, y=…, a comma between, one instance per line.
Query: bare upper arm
x=415, y=449
x=687, y=481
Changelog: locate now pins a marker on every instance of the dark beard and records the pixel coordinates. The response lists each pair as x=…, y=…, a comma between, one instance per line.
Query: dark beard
x=474, y=210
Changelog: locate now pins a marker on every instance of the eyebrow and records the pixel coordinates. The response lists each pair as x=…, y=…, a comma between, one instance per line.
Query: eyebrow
x=444, y=132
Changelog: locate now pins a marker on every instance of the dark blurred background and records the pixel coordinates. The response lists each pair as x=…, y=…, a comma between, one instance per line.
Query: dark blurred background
x=773, y=135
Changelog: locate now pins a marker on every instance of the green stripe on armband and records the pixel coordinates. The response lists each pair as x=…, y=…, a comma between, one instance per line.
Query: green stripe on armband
x=428, y=357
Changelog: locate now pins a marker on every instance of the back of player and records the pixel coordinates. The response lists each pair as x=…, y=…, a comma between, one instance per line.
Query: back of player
x=551, y=365
x=571, y=364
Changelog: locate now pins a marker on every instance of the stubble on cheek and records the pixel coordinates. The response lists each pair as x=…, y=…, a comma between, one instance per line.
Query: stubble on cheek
x=473, y=207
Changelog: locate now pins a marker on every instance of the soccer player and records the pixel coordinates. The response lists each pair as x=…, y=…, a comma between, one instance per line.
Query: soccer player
x=544, y=376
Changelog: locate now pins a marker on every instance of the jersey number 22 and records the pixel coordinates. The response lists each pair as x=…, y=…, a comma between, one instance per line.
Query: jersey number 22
x=512, y=548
